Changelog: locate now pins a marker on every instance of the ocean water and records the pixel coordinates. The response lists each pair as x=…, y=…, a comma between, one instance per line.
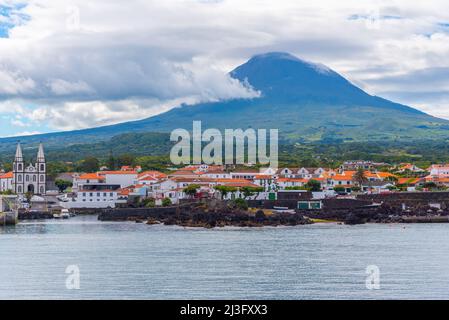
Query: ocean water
x=137, y=261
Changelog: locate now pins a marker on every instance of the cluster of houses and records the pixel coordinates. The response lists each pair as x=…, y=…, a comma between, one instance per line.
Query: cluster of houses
x=108, y=188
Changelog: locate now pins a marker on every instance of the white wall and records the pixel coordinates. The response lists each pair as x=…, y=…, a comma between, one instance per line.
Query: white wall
x=124, y=180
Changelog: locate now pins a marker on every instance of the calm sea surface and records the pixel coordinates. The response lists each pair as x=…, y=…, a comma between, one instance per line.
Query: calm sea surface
x=137, y=261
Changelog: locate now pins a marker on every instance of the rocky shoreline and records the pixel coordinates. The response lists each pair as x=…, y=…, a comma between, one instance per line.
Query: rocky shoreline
x=202, y=216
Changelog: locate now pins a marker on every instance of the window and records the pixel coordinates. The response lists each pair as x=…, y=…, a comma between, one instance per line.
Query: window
x=19, y=167
x=42, y=178
x=19, y=189
x=41, y=190
x=42, y=167
x=19, y=178
x=27, y=178
x=34, y=178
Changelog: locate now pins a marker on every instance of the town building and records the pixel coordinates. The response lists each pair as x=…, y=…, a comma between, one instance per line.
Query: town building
x=29, y=178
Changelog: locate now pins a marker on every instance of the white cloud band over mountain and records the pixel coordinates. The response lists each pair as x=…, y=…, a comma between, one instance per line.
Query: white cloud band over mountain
x=76, y=64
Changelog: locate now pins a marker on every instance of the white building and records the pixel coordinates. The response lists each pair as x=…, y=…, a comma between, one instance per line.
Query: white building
x=439, y=170
x=98, y=196
x=122, y=178
x=6, y=181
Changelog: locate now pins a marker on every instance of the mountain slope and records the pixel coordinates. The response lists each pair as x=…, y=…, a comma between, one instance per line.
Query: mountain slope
x=305, y=101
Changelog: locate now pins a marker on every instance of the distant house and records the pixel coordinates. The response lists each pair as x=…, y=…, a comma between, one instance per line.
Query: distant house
x=409, y=167
x=439, y=169
x=302, y=173
x=6, y=181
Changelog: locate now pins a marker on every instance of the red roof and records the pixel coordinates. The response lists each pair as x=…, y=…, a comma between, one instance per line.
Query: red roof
x=90, y=176
x=7, y=175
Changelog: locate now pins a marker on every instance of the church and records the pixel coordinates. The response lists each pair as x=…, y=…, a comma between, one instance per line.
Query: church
x=30, y=178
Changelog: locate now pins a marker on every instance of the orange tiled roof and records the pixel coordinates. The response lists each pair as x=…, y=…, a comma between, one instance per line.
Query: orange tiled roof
x=7, y=175
x=90, y=176
x=408, y=180
x=157, y=174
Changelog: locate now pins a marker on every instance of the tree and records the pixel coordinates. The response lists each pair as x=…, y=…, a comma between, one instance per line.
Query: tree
x=149, y=203
x=111, y=163
x=339, y=189
x=63, y=184
x=191, y=190
x=359, y=176
x=166, y=202
x=225, y=190
x=250, y=191
x=313, y=185
x=126, y=160
x=90, y=164
x=430, y=185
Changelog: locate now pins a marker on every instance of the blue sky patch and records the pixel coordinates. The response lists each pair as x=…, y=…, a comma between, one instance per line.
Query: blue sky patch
x=11, y=16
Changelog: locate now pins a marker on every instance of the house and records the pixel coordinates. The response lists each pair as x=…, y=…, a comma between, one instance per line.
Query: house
x=439, y=170
x=122, y=178
x=96, y=196
x=6, y=181
x=185, y=173
x=86, y=178
x=130, y=168
x=377, y=186
x=409, y=167
x=409, y=183
x=284, y=183
x=305, y=173
x=217, y=174
x=247, y=174
x=344, y=179
x=268, y=182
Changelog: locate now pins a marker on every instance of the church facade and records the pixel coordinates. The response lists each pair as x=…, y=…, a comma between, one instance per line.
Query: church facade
x=29, y=178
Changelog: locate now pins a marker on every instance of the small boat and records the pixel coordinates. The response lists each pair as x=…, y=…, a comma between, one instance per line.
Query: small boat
x=65, y=214
x=283, y=210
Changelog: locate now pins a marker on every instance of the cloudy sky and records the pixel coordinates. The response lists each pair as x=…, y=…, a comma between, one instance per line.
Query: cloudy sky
x=75, y=64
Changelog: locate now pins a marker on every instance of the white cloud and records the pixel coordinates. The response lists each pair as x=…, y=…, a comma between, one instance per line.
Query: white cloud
x=91, y=63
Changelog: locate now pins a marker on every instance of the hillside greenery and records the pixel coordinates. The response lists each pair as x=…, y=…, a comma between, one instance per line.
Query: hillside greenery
x=151, y=152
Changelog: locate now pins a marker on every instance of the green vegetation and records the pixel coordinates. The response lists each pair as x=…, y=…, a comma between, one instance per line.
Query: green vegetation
x=240, y=203
x=359, y=177
x=7, y=193
x=225, y=190
x=63, y=184
x=250, y=191
x=166, y=202
x=313, y=185
x=149, y=203
x=151, y=152
x=191, y=190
